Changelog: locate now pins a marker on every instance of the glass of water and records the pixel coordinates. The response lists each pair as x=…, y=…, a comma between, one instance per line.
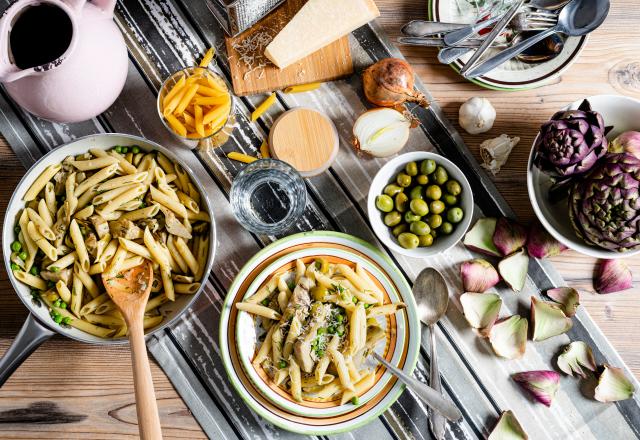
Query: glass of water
x=268, y=196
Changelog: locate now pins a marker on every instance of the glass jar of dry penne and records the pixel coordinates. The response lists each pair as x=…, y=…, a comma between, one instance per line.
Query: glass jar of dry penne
x=196, y=106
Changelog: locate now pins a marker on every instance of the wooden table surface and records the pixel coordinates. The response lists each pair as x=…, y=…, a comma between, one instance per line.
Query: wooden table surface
x=71, y=390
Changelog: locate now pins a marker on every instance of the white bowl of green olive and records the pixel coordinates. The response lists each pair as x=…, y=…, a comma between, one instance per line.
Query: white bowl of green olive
x=420, y=204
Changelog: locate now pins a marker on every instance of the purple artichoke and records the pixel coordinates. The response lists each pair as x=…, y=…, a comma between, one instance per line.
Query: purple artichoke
x=604, y=206
x=571, y=142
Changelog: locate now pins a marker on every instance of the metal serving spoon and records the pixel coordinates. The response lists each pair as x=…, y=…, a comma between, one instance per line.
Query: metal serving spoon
x=432, y=299
x=578, y=18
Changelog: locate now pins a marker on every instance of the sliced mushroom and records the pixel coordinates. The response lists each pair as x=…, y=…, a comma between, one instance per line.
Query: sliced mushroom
x=173, y=225
x=151, y=223
x=100, y=224
x=124, y=228
x=91, y=242
x=63, y=274
x=302, y=347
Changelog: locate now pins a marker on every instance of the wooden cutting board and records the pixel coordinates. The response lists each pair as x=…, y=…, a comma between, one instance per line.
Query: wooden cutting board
x=252, y=72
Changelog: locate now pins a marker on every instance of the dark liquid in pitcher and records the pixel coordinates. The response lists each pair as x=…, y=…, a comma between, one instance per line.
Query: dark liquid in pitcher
x=40, y=35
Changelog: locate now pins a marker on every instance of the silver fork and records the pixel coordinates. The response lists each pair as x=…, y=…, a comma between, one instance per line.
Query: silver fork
x=528, y=16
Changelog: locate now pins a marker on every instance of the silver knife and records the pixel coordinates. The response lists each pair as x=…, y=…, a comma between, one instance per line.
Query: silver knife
x=424, y=28
x=490, y=38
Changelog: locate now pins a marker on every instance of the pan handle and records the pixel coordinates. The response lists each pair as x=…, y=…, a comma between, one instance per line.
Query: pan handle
x=31, y=335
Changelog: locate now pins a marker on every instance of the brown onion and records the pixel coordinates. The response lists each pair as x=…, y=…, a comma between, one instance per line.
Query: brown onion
x=389, y=83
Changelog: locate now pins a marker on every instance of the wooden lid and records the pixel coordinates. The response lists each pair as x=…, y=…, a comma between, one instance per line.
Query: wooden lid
x=306, y=139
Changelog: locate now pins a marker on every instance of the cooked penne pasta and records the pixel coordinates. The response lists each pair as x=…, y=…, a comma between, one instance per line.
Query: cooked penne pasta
x=387, y=309
x=90, y=212
x=256, y=309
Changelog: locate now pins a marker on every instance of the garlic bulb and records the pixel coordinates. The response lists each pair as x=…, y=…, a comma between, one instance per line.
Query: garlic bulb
x=381, y=132
x=476, y=115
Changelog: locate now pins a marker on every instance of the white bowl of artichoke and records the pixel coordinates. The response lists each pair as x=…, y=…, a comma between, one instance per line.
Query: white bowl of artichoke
x=583, y=176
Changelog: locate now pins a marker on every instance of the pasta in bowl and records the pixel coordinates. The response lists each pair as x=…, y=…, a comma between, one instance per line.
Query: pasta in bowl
x=102, y=205
x=332, y=306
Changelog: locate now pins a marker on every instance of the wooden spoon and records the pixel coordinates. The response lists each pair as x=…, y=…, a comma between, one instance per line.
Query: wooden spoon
x=130, y=291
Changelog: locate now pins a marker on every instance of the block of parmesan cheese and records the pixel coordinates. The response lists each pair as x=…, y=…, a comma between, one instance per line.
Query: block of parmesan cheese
x=318, y=23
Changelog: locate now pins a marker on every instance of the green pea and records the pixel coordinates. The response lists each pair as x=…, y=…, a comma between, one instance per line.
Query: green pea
x=455, y=214
x=436, y=207
x=340, y=330
x=384, y=203
x=282, y=364
x=440, y=175
x=401, y=202
x=411, y=217
x=339, y=318
x=16, y=229
x=433, y=192
x=54, y=269
x=392, y=218
x=449, y=199
x=434, y=220
x=403, y=179
x=118, y=149
x=422, y=179
x=23, y=255
x=355, y=400
x=453, y=187
x=135, y=149
x=14, y=266
x=34, y=271
x=411, y=169
x=392, y=189
x=446, y=228
x=416, y=192
x=125, y=150
x=428, y=166
x=419, y=228
x=265, y=302
x=419, y=207
x=403, y=227
x=425, y=240
x=322, y=331
x=408, y=240
x=16, y=246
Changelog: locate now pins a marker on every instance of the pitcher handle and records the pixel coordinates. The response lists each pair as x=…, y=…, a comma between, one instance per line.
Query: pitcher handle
x=31, y=335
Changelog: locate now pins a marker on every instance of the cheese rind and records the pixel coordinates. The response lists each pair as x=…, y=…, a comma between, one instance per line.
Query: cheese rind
x=318, y=23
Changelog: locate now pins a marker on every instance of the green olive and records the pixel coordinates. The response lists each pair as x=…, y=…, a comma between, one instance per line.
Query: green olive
x=408, y=240
x=446, y=228
x=422, y=179
x=428, y=166
x=404, y=180
x=419, y=228
x=433, y=192
x=425, y=240
x=434, y=220
x=392, y=218
x=436, y=207
x=401, y=202
x=392, y=189
x=402, y=227
x=416, y=192
x=453, y=187
x=411, y=217
x=419, y=207
x=411, y=169
x=455, y=214
x=449, y=199
x=434, y=233
x=440, y=175
x=384, y=203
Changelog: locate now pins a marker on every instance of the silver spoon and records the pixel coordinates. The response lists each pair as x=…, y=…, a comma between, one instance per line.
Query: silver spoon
x=545, y=50
x=578, y=18
x=432, y=297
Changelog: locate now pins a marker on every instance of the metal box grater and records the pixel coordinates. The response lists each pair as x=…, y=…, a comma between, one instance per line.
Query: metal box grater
x=236, y=16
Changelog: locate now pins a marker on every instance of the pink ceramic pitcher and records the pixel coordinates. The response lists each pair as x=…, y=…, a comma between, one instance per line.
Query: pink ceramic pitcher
x=82, y=82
